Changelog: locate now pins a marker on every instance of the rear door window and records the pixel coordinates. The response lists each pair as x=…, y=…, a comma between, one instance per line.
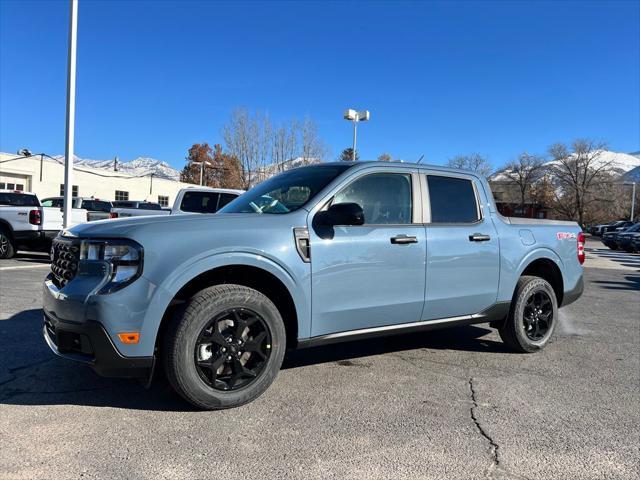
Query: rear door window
x=453, y=200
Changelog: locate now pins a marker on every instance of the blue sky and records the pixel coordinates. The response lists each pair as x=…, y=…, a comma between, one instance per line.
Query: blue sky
x=440, y=78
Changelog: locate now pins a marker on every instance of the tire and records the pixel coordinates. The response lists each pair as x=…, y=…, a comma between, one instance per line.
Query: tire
x=191, y=334
x=522, y=327
x=7, y=248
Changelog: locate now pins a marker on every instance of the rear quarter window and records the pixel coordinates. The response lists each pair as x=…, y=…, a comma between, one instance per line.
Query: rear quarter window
x=453, y=200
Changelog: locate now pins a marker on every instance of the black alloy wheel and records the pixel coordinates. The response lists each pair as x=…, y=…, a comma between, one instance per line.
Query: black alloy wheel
x=538, y=315
x=532, y=315
x=233, y=349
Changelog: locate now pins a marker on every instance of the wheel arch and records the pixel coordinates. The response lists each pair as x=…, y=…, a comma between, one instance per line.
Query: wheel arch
x=260, y=279
x=547, y=269
x=7, y=226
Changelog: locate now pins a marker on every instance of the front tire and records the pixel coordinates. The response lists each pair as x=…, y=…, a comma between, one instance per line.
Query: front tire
x=532, y=317
x=225, y=348
x=7, y=248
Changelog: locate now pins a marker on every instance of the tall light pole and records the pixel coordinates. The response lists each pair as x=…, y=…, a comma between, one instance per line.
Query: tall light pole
x=71, y=112
x=355, y=117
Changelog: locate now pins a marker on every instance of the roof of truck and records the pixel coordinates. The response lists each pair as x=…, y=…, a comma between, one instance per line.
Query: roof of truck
x=422, y=166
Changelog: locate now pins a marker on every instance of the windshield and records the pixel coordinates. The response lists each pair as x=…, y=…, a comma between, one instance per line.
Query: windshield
x=286, y=192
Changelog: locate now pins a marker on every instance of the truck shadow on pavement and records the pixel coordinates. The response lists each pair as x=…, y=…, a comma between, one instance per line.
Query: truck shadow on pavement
x=30, y=374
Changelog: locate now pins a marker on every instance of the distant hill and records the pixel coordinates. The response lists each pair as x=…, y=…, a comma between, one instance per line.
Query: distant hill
x=632, y=175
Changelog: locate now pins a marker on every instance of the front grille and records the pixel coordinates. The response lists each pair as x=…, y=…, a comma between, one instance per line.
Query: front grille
x=65, y=255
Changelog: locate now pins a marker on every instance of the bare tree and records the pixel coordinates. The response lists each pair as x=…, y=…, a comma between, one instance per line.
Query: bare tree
x=474, y=162
x=285, y=144
x=385, y=157
x=522, y=173
x=312, y=147
x=582, y=176
x=248, y=138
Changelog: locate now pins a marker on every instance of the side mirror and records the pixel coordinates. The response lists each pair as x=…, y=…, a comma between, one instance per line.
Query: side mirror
x=342, y=214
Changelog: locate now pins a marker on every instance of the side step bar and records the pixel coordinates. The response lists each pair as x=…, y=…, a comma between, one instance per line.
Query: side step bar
x=495, y=313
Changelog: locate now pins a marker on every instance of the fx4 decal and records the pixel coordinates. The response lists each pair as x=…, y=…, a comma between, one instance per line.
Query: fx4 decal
x=566, y=236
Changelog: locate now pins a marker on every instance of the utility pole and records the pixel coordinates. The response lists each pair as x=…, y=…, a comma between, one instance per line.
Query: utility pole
x=71, y=112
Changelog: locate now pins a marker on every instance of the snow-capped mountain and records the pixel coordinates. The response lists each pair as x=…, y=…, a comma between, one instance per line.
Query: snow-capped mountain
x=619, y=163
x=141, y=166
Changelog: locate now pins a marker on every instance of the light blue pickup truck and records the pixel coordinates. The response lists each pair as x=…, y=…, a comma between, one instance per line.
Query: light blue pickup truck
x=318, y=254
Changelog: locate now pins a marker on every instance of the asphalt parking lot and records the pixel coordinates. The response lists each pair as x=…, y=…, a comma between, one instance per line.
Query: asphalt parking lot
x=446, y=404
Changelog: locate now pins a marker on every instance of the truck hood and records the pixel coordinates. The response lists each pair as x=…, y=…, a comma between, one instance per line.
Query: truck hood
x=175, y=228
x=134, y=226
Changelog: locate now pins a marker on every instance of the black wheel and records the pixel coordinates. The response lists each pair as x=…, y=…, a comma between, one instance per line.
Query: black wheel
x=532, y=317
x=225, y=348
x=7, y=248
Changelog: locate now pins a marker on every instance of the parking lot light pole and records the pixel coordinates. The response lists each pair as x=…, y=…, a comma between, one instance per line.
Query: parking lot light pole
x=355, y=117
x=201, y=171
x=71, y=110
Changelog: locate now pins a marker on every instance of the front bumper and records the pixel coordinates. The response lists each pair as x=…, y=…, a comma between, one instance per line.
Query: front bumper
x=89, y=343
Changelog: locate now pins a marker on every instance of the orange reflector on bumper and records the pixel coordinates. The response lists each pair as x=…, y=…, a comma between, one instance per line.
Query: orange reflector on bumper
x=129, y=337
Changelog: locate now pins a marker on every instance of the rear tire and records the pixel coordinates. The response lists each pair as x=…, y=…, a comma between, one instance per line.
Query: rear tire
x=207, y=342
x=7, y=248
x=532, y=317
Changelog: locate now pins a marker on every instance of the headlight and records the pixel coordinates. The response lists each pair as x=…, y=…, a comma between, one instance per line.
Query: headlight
x=124, y=257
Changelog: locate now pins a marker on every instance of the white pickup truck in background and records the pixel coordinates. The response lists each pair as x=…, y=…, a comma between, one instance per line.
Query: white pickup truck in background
x=26, y=224
x=188, y=200
x=96, y=209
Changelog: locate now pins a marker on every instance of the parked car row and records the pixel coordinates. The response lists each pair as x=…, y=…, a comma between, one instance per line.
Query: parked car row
x=30, y=224
x=623, y=238
x=601, y=229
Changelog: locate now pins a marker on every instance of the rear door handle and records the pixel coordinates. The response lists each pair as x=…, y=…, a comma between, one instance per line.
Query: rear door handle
x=479, y=237
x=403, y=239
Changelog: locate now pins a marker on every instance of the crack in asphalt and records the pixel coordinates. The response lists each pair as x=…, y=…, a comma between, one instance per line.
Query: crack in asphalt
x=494, y=446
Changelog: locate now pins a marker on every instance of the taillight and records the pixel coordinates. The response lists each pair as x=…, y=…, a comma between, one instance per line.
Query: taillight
x=35, y=217
x=113, y=214
x=581, y=248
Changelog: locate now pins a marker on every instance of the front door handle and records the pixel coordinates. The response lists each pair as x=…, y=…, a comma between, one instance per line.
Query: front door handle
x=479, y=237
x=403, y=240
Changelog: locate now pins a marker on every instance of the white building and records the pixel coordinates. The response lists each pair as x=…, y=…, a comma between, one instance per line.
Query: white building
x=45, y=177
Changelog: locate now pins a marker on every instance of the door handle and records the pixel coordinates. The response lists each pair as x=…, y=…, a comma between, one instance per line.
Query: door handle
x=403, y=240
x=479, y=237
